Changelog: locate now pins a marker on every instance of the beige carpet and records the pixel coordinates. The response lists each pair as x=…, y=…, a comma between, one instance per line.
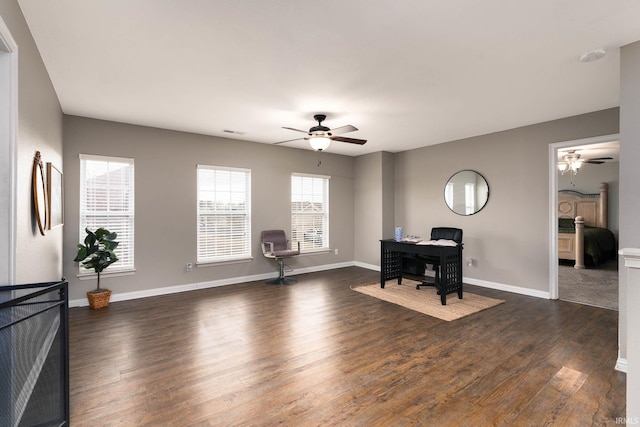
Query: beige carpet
x=596, y=286
x=426, y=300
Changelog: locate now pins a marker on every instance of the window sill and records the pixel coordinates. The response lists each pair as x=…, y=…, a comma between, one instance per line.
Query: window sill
x=316, y=251
x=93, y=276
x=223, y=262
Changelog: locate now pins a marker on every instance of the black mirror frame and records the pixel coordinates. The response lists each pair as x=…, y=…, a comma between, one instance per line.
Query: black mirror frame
x=481, y=207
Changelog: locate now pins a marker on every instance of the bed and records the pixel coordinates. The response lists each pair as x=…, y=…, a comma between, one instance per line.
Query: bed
x=583, y=236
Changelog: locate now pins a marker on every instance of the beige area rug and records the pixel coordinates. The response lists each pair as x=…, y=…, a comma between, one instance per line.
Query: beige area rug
x=426, y=300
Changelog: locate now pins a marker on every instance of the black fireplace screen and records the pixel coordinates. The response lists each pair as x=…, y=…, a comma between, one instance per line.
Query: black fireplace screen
x=34, y=348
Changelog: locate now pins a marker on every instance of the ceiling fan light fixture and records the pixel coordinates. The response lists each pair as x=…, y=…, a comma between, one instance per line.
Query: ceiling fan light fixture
x=319, y=143
x=570, y=162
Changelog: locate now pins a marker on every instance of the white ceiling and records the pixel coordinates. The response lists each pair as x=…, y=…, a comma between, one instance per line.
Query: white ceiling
x=407, y=73
x=595, y=151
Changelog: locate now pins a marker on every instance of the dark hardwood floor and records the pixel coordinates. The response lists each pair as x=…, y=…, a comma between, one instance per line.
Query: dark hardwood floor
x=318, y=353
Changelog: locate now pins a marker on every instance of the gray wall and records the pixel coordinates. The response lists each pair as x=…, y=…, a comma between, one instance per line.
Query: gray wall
x=388, y=197
x=630, y=146
x=37, y=258
x=629, y=179
x=374, y=205
x=509, y=238
x=165, y=180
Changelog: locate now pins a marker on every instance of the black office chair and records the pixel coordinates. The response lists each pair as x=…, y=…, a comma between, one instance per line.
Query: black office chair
x=276, y=246
x=437, y=233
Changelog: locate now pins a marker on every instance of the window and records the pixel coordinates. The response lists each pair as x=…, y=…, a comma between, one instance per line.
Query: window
x=224, y=214
x=470, y=198
x=107, y=201
x=310, y=212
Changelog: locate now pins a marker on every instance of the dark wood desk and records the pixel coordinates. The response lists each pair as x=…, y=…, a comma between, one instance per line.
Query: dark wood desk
x=391, y=253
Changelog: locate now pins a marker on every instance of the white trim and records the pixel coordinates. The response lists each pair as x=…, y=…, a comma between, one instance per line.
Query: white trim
x=621, y=365
x=315, y=251
x=125, y=296
x=311, y=175
x=100, y=158
x=300, y=216
x=368, y=266
x=206, y=264
x=94, y=276
x=222, y=168
x=319, y=268
x=208, y=180
x=483, y=283
x=12, y=50
x=507, y=288
x=631, y=257
x=553, y=201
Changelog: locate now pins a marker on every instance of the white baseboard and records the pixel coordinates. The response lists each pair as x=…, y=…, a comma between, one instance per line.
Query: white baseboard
x=125, y=296
x=478, y=282
x=621, y=365
x=367, y=266
x=508, y=288
x=317, y=268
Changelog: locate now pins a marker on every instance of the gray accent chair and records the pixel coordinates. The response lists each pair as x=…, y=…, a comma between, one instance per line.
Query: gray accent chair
x=276, y=246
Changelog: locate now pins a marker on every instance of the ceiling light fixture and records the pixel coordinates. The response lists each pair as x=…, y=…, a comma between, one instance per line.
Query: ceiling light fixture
x=570, y=162
x=319, y=143
x=593, y=55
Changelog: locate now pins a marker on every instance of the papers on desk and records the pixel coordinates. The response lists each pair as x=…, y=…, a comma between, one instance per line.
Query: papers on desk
x=412, y=240
x=441, y=242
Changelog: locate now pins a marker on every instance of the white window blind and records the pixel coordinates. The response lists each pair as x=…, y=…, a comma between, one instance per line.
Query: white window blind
x=224, y=214
x=107, y=201
x=310, y=211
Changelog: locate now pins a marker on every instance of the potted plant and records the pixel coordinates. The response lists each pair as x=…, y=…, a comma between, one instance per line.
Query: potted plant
x=97, y=253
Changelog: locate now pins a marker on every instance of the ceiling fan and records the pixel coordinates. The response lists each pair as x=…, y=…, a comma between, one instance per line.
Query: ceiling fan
x=571, y=161
x=321, y=136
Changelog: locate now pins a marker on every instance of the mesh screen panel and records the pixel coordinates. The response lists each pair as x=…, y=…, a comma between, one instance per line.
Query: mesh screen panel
x=33, y=365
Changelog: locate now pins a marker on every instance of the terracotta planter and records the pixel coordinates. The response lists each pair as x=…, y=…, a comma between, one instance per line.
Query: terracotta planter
x=99, y=299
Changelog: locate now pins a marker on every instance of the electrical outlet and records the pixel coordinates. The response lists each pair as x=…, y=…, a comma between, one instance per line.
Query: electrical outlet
x=189, y=266
x=336, y=251
x=469, y=262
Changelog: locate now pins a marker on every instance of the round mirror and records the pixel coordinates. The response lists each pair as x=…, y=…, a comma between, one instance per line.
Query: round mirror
x=39, y=193
x=466, y=192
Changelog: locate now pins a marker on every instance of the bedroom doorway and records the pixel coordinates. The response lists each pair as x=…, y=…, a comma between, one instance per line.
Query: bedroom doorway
x=597, y=284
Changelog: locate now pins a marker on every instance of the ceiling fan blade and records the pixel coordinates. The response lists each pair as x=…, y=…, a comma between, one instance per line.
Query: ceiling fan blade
x=288, y=140
x=349, y=140
x=296, y=130
x=343, y=129
x=599, y=158
x=595, y=162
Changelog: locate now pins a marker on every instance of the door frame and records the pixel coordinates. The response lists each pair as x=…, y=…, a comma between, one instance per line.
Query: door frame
x=553, y=201
x=8, y=147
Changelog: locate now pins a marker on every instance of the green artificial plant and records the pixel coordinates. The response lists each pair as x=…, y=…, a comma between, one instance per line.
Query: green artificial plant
x=97, y=252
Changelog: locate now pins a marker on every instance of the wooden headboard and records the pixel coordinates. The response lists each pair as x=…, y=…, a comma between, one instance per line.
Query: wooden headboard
x=593, y=208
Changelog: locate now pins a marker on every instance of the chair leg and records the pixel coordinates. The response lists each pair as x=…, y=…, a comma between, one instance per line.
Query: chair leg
x=435, y=283
x=281, y=279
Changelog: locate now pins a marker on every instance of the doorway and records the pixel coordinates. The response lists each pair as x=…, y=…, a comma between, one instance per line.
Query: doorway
x=594, y=285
